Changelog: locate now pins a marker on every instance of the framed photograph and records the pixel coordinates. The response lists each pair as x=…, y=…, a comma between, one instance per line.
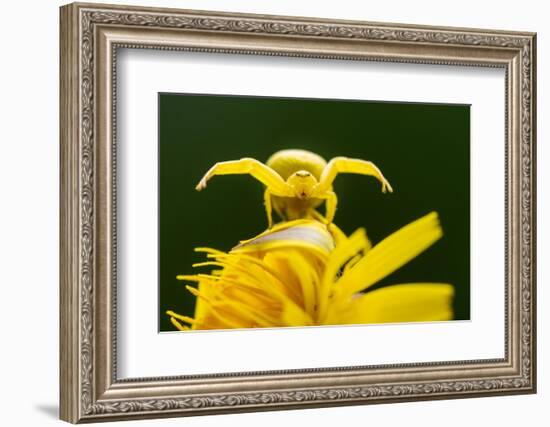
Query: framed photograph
x=267, y=212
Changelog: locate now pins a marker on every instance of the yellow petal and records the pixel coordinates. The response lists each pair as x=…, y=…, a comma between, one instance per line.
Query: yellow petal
x=178, y=325
x=413, y=302
x=307, y=279
x=228, y=317
x=241, y=312
x=202, y=307
x=185, y=319
x=276, y=228
x=344, y=252
x=278, y=262
x=292, y=315
x=337, y=234
x=307, y=234
x=391, y=253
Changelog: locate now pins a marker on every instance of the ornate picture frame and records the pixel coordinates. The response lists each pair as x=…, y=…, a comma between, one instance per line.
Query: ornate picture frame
x=90, y=37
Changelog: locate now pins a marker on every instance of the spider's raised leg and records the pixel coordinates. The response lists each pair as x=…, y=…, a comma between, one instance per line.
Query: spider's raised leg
x=258, y=170
x=344, y=165
x=331, y=202
x=268, y=209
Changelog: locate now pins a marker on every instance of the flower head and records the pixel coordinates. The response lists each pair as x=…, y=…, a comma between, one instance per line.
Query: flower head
x=303, y=273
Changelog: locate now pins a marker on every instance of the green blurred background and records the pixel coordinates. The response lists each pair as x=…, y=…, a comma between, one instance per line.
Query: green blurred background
x=422, y=149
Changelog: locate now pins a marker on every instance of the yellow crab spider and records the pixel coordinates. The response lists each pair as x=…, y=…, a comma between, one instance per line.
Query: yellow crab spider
x=297, y=181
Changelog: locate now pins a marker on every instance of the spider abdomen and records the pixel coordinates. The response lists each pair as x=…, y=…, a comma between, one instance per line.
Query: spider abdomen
x=287, y=162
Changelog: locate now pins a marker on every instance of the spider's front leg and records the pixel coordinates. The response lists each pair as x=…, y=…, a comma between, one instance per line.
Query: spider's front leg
x=268, y=208
x=357, y=166
x=248, y=166
x=331, y=201
x=275, y=185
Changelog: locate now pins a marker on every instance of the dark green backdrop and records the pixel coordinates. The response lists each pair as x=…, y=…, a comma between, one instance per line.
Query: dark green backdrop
x=422, y=149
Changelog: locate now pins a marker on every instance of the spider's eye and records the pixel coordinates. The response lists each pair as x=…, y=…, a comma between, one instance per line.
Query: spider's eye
x=303, y=174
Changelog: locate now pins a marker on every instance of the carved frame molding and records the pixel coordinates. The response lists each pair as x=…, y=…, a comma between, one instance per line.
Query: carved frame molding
x=90, y=37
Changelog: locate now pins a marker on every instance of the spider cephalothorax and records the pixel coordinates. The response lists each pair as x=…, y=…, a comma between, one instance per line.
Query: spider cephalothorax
x=297, y=181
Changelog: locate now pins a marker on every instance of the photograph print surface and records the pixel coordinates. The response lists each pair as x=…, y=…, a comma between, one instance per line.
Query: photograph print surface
x=289, y=212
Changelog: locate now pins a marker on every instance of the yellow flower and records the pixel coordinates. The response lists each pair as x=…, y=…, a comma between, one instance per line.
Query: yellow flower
x=303, y=273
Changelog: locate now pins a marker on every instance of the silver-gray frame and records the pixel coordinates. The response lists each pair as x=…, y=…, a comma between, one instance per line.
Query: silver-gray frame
x=90, y=36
